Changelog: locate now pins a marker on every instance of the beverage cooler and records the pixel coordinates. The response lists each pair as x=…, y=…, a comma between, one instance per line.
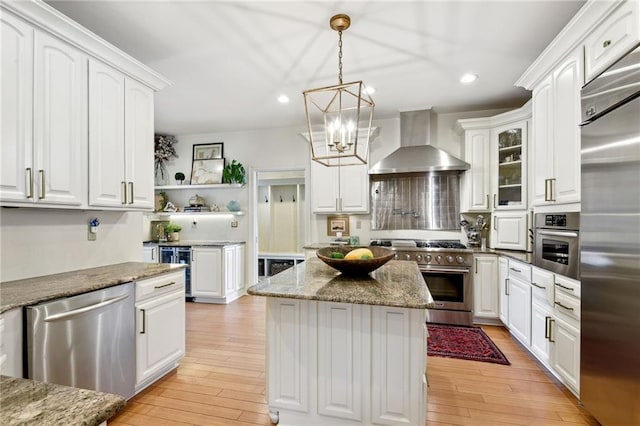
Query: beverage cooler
x=180, y=255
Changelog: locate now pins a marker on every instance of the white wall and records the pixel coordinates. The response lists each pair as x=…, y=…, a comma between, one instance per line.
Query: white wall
x=35, y=242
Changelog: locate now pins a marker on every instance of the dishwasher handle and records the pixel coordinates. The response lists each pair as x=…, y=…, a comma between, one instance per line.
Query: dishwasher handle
x=75, y=312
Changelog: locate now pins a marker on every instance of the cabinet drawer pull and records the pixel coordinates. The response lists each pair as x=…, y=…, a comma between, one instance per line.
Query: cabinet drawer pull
x=539, y=286
x=546, y=327
x=488, y=201
x=552, y=189
x=144, y=322
x=506, y=286
x=476, y=266
x=494, y=201
x=30, y=182
x=515, y=270
x=565, y=287
x=551, y=321
x=164, y=285
x=131, y=192
x=562, y=306
x=123, y=195
x=42, y=184
x=606, y=43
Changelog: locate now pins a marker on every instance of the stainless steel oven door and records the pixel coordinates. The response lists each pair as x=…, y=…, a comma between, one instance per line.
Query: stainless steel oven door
x=449, y=287
x=557, y=251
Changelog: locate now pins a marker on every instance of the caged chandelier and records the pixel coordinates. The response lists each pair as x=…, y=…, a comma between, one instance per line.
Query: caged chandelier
x=339, y=117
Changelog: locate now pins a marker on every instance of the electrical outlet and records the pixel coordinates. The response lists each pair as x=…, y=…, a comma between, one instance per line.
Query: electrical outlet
x=234, y=223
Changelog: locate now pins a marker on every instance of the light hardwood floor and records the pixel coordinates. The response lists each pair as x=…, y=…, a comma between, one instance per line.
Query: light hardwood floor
x=221, y=381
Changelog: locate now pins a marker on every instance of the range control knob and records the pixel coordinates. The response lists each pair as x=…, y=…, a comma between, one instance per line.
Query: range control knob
x=407, y=256
x=450, y=259
x=438, y=258
x=460, y=259
x=428, y=258
x=395, y=257
x=418, y=258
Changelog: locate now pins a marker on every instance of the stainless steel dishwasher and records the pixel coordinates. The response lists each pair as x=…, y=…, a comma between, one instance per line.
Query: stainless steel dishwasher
x=85, y=341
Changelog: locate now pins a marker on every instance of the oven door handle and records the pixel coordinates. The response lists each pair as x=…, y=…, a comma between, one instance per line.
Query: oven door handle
x=459, y=271
x=558, y=233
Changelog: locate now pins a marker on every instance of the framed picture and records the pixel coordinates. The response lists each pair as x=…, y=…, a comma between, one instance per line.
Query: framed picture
x=337, y=224
x=204, y=172
x=207, y=151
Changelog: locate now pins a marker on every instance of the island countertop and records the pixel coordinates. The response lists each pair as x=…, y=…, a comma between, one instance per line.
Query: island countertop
x=28, y=402
x=397, y=283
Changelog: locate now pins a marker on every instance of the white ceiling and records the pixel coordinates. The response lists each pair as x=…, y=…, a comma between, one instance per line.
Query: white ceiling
x=229, y=60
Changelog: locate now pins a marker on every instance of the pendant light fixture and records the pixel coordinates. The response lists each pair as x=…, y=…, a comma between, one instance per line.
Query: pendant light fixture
x=339, y=117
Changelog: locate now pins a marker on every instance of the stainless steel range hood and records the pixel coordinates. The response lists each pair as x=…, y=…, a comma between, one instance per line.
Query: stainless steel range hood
x=416, y=154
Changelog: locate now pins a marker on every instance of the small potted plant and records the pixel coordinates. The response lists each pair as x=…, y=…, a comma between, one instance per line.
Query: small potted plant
x=179, y=177
x=172, y=231
x=234, y=173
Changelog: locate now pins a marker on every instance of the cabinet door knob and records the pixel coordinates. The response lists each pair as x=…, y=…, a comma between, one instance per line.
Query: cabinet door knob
x=606, y=43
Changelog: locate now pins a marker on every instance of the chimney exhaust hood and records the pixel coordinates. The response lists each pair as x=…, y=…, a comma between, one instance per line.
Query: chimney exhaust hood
x=415, y=154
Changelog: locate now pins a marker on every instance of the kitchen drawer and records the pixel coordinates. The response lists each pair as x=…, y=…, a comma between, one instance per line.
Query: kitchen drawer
x=568, y=305
x=159, y=285
x=519, y=270
x=542, y=285
x=567, y=286
x=614, y=37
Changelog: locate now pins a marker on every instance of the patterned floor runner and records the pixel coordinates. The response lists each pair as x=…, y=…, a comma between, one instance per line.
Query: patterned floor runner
x=470, y=343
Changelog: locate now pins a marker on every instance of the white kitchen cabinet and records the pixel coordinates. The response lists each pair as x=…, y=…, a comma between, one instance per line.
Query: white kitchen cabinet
x=206, y=272
x=339, y=189
x=556, y=135
x=320, y=372
x=43, y=108
x=160, y=326
x=509, y=160
x=120, y=140
x=217, y=273
x=11, y=343
x=150, y=254
x=476, y=182
x=541, y=316
x=542, y=282
x=565, y=359
x=612, y=38
x=503, y=299
x=485, y=287
x=509, y=230
x=519, y=293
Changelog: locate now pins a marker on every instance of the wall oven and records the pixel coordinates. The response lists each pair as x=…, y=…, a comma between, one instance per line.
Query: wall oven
x=557, y=243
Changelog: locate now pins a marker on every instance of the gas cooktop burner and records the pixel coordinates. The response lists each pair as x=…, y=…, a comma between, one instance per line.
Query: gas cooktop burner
x=441, y=244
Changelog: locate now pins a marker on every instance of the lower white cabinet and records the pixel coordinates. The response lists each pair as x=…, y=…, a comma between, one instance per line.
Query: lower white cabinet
x=541, y=317
x=519, y=294
x=485, y=287
x=217, y=273
x=150, y=254
x=11, y=343
x=509, y=230
x=565, y=359
x=338, y=363
x=503, y=296
x=160, y=326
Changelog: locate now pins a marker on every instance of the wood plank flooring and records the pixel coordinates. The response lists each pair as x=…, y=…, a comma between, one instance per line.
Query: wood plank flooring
x=221, y=381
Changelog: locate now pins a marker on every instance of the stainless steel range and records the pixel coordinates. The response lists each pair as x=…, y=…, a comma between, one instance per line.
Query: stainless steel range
x=446, y=268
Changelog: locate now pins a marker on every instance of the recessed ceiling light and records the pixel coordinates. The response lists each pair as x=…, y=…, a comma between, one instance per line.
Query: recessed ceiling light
x=283, y=99
x=370, y=90
x=468, y=78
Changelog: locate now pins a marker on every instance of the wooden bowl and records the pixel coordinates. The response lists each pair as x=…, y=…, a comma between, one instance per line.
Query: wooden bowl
x=355, y=267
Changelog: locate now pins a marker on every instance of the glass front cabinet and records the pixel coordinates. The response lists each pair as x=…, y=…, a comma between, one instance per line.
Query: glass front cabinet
x=509, y=159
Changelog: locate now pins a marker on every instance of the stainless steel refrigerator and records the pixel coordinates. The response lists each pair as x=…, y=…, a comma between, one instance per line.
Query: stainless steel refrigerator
x=610, y=244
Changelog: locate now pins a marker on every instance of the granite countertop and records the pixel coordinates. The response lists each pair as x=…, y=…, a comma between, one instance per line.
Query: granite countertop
x=30, y=291
x=28, y=402
x=210, y=243
x=397, y=283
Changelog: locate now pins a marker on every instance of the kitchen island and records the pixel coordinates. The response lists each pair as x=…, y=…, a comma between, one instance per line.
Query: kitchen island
x=346, y=350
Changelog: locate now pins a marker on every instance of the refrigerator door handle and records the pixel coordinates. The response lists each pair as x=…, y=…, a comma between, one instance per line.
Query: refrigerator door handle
x=76, y=312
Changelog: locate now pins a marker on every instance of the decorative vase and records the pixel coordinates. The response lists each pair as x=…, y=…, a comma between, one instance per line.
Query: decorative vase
x=161, y=175
x=173, y=236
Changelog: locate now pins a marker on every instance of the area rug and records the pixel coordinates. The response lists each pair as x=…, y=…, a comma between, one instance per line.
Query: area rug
x=470, y=343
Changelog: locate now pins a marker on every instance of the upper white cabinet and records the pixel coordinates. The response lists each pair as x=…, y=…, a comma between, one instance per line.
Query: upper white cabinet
x=556, y=135
x=120, y=140
x=339, y=189
x=614, y=37
x=509, y=230
x=43, y=109
x=509, y=160
x=50, y=105
x=476, y=183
